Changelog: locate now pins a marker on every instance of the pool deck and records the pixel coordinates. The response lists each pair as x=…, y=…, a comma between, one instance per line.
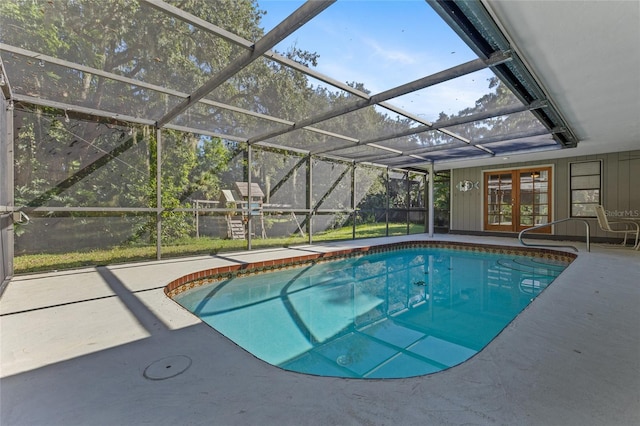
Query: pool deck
x=75, y=346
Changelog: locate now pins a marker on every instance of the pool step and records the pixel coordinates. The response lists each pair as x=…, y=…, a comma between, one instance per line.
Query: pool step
x=533, y=267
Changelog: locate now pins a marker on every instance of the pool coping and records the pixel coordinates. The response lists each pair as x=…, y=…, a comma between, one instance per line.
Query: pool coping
x=211, y=275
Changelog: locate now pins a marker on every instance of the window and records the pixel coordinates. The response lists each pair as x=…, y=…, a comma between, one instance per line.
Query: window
x=585, y=187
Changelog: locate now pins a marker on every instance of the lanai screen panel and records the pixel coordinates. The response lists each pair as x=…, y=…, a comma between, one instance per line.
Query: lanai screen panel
x=377, y=44
x=82, y=88
x=332, y=185
x=236, y=17
x=422, y=141
x=225, y=122
x=282, y=177
x=533, y=143
x=460, y=152
x=359, y=153
x=193, y=167
x=309, y=140
x=331, y=196
x=499, y=126
x=148, y=46
x=60, y=233
x=64, y=162
x=399, y=200
x=367, y=123
x=371, y=200
x=141, y=59
x=127, y=38
x=282, y=92
x=461, y=96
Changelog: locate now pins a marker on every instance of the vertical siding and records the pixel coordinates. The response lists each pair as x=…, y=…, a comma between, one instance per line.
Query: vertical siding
x=620, y=191
x=610, y=193
x=634, y=181
x=561, y=206
x=467, y=213
x=624, y=201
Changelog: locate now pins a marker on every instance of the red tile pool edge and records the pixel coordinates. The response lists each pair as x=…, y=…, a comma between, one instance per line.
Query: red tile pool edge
x=197, y=279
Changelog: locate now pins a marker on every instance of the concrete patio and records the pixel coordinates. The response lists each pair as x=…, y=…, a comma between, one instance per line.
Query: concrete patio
x=75, y=346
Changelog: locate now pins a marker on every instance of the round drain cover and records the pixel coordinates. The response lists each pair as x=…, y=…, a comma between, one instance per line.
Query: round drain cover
x=168, y=367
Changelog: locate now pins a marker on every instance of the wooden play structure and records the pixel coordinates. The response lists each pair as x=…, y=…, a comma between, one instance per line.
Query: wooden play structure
x=239, y=208
x=235, y=226
x=238, y=222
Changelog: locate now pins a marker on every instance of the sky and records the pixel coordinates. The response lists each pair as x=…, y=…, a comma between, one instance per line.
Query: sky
x=383, y=44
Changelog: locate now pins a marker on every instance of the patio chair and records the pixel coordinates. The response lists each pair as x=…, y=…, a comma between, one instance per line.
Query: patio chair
x=626, y=227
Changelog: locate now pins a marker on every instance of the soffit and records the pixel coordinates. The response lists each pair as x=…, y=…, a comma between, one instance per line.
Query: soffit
x=586, y=56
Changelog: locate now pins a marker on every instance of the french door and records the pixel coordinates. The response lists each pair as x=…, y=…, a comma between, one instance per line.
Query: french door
x=517, y=199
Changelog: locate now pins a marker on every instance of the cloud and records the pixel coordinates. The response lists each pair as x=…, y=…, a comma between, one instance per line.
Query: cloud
x=449, y=97
x=392, y=56
x=385, y=45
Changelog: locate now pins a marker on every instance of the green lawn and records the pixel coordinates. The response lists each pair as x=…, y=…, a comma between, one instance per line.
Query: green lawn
x=192, y=246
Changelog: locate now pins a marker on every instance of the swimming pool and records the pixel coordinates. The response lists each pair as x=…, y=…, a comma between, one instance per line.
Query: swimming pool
x=384, y=312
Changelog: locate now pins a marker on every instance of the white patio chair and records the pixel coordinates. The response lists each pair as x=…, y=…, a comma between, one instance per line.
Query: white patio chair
x=620, y=227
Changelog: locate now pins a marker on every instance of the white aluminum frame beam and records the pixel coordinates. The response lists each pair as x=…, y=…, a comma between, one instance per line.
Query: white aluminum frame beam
x=430, y=80
x=447, y=123
x=290, y=24
x=160, y=89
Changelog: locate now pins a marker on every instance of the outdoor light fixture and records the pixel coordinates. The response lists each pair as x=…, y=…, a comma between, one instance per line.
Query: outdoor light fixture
x=66, y=117
x=10, y=106
x=2, y=80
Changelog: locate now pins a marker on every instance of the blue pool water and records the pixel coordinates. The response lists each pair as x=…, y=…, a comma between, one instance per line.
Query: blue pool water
x=388, y=315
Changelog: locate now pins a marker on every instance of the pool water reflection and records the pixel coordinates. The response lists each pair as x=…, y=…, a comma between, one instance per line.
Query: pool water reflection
x=394, y=314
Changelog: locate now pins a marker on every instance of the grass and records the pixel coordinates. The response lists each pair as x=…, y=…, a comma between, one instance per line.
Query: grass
x=193, y=246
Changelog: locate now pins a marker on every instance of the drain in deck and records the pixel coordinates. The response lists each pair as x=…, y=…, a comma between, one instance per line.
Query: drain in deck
x=167, y=368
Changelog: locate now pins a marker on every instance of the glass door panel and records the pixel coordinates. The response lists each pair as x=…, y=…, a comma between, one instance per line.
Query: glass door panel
x=517, y=199
x=534, y=198
x=499, y=212
x=527, y=192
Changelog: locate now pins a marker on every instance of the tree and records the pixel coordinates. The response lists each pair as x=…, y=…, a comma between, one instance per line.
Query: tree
x=499, y=97
x=56, y=158
x=87, y=162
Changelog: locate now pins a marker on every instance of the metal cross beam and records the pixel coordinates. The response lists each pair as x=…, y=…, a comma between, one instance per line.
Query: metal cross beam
x=294, y=21
x=441, y=125
x=439, y=77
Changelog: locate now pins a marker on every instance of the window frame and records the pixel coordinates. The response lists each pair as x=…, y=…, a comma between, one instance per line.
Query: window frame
x=574, y=174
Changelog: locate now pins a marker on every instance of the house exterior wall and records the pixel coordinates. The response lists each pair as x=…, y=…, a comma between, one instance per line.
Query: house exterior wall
x=620, y=192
